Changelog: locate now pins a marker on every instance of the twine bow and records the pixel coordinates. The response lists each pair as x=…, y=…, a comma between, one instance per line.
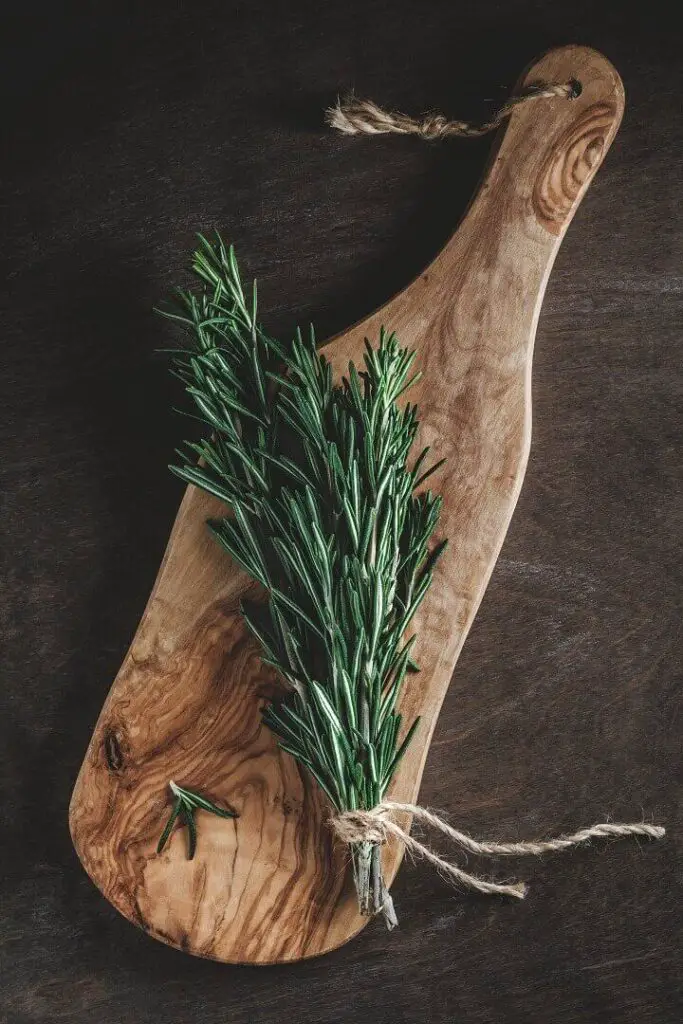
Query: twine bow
x=378, y=824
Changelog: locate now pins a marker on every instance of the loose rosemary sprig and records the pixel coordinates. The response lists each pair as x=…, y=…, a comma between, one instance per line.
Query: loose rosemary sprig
x=327, y=516
x=184, y=806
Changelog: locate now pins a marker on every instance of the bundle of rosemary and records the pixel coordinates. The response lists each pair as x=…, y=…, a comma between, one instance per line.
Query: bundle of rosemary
x=328, y=518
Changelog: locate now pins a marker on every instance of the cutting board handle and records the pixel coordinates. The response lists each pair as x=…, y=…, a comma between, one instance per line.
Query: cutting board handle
x=541, y=165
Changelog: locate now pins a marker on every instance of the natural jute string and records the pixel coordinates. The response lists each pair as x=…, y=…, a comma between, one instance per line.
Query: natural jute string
x=363, y=117
x=376, y=825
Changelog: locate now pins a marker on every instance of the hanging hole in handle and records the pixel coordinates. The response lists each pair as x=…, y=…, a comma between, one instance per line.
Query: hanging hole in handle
x=576, y=88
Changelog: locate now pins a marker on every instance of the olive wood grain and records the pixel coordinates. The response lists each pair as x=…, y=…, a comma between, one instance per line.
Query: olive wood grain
x=271, y=886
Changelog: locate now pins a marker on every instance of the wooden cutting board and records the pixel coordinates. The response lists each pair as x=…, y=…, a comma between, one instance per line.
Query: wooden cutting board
x=270, y=886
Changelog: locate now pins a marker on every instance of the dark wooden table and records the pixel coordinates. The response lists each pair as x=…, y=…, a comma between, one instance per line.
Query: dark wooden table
x=129, y=131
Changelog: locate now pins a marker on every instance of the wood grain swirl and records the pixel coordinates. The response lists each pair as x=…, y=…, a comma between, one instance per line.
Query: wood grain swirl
x=269, y=886
x=570, y=163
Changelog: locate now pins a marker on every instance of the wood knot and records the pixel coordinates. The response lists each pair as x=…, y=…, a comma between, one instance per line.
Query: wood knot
x=571, y=161
x=593, y=152
x=112, y=750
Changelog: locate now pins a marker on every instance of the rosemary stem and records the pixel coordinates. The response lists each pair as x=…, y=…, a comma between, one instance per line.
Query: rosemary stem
x=376, y=871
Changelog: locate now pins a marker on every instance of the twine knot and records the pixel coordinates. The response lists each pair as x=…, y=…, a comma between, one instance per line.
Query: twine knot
x=362, y=826
x=378, y=824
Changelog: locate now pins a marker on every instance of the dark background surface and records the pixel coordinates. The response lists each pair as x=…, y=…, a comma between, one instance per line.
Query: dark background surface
x=128, y=131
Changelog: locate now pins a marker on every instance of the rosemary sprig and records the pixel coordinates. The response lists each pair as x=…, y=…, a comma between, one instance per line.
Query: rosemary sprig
x=328, y=517
x=184, y=807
